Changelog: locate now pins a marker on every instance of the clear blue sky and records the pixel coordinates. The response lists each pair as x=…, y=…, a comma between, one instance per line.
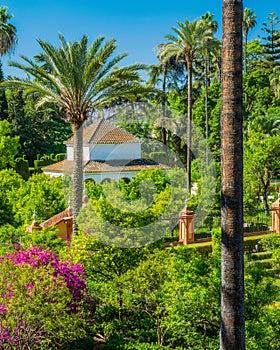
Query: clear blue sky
x=138, y=26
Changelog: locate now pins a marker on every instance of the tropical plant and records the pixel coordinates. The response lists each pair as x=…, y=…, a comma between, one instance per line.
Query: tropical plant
x=232, y=335
x=209, y=44
x=265, y=125
x=8, y=37
x=79, y=79
x=185, y=45
x=249, y=22
x=167, y=73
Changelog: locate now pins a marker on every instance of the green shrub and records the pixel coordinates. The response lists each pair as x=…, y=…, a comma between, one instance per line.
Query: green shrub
x=216, y=234
x=22, y=168
x=270, y=242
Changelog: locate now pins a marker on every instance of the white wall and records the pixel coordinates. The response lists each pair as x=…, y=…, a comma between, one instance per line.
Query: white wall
x=110, y=152
x=70, y=153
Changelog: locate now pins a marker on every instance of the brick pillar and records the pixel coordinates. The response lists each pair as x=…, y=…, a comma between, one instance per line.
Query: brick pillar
x=186, y=226
x=276, y=215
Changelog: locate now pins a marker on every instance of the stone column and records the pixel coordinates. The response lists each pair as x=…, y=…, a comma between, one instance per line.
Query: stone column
x=186, y=226
x=276, y=215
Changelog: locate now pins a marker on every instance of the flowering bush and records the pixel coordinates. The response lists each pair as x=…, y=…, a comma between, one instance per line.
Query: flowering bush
x=43, y=301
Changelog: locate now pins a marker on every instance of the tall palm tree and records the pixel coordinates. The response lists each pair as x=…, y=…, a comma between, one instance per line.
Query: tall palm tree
x=166, y=73
x=249, y=22
x=155, y=71
x=8, y=37
x=185, y=46
x=78, y=79
x=216, y=60
x=232, y=334
x=210, y=43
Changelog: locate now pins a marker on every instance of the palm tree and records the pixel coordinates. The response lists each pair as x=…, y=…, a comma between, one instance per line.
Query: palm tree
x=265, y=125
x=185, y=46
x=217, y=61
x=249, y=22
x=8, y=37
x=208, y=45
x=166, y=73
x=78, y=79
x=232, y=334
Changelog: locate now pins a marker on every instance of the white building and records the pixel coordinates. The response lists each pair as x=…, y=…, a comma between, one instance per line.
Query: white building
x=109, y=152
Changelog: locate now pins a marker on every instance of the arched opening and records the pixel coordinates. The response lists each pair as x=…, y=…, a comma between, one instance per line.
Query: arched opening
x=89, y=180
x=107, y=179
x=126, y=179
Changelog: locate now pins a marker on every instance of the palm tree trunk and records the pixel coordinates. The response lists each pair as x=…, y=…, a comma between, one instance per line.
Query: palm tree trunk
x=189, y=125
x=77, y=191
x=232, y=335
x=245, y=54
x=163, y=129
x=206, y=109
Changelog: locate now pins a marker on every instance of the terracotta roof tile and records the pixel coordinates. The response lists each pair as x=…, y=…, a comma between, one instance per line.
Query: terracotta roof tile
x=108, y=166
x=104, y=132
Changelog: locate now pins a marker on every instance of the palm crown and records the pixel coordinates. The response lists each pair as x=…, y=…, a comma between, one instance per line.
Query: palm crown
x=78, y=78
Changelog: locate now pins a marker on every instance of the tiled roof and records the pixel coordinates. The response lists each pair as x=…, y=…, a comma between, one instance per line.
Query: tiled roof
x=65, y=166
x=108, y=166
x=104, y=132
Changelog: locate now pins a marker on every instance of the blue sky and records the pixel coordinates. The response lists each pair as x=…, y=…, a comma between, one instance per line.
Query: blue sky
x=138, y=26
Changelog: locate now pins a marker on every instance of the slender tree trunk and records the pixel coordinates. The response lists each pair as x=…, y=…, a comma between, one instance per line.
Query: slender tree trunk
x=266, y=184
x=245, y=64
x=163, y=129
x=77, y=191
x=245, y=54
x=189, y=125
x=232, y=335
x=206, y=109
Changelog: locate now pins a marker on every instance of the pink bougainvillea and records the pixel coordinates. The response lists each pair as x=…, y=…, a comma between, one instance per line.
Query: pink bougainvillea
x=71, y=274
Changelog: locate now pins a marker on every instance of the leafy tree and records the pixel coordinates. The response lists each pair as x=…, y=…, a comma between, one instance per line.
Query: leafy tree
x=79, y=78
x=261, y=163
x=21, y=198
x=8, y=145
x=138, y=213
x=254, y=54
x=258, y=91
x=41, y=130
x=42, y=194
x=9, y=186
